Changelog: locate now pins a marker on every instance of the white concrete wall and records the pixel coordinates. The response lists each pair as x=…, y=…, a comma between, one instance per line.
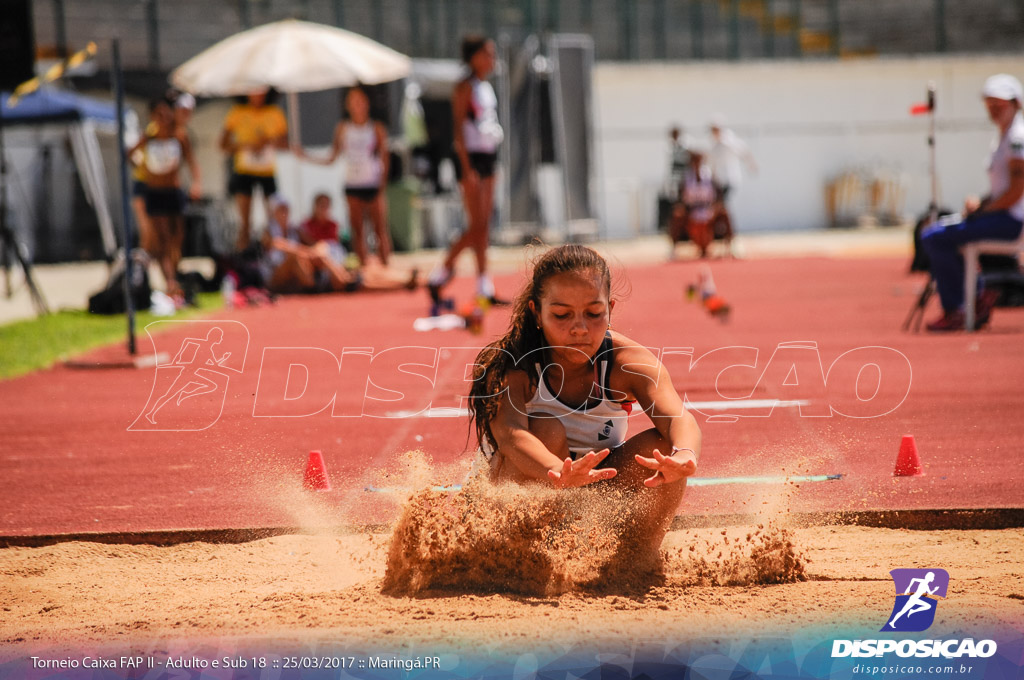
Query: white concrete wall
x=805, y=122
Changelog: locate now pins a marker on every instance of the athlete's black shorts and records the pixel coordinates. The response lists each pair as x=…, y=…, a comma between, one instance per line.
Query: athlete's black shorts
x=364, y=194
x=165, y=201
x=138, y=188
x=482, y=163
x=244, y=184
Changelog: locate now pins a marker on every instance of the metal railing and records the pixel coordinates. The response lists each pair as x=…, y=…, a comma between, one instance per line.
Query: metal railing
x=157, y=35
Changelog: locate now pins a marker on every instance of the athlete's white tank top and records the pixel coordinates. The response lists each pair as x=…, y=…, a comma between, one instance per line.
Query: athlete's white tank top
x=362, y=161
x=481, y=131
x=599, y=424
x=163, y=155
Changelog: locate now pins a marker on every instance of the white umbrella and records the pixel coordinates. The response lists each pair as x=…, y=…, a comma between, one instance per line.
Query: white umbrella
x=290, y=56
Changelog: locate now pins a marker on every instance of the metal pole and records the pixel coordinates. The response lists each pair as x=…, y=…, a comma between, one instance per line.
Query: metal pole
x=933, y=208
x=126, y=213
x=339, y=14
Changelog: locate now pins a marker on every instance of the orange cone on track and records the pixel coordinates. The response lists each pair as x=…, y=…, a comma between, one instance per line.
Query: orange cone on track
x=908, y=464
x=315, y=478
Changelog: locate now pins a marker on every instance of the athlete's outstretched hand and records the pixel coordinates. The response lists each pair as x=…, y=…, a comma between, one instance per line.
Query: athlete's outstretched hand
x=667, y=469
x=581, y=472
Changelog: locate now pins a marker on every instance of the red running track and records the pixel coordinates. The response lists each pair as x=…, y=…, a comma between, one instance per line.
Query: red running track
x=71, y=461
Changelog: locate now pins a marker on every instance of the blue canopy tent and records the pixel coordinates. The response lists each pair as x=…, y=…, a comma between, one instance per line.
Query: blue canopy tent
x=55, y=106
x=84, y=116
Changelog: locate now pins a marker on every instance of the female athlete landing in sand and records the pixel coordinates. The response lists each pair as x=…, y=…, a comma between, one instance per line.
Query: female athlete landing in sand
x=551, y=397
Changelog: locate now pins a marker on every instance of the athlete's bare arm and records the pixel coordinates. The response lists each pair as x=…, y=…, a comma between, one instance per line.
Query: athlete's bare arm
x=642, y=376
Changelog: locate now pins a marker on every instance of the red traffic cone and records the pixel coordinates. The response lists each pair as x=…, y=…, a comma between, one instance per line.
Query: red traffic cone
x=908, y=464
x=315, y=478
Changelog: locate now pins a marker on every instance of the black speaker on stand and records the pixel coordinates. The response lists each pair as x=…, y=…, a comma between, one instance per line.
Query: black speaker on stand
x=17, y=43
x=17, y=64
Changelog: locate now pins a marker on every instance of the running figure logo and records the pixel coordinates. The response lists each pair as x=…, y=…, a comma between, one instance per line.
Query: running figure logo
x=189, y=390
x=916, y=590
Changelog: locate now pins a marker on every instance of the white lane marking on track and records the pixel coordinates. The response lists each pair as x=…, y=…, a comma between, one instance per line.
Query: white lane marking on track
x=729, y=404
x=724, y=405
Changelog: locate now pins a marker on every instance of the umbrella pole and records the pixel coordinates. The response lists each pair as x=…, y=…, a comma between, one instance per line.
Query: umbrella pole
x=294, y=141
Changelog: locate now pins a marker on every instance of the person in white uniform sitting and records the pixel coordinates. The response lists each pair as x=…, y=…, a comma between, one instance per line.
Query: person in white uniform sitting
x=997, y=216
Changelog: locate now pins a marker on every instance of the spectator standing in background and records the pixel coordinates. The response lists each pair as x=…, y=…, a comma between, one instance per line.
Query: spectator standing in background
x=253, y=132
x=678, y=161
x=478, y=135
x=364, y=143
x=727, y=152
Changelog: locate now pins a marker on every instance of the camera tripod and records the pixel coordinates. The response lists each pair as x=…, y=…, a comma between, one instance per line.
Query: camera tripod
x=916, y=315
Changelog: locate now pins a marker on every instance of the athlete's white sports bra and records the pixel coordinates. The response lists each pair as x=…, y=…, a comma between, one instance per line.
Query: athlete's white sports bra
x=599, y=424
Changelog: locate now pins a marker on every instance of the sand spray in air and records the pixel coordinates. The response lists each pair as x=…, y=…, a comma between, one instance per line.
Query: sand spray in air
x=531, y=540
x=535, y=540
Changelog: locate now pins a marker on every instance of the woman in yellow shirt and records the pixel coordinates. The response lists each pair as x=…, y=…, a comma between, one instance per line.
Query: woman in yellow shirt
x=253, y=132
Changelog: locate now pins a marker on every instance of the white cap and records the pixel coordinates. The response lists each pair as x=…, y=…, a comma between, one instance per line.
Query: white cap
x=277, y=201
x=185, y=101
x=1003, y=86
x=717, y=122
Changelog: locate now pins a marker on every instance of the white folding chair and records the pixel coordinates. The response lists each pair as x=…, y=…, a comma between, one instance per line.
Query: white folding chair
x=971, y=251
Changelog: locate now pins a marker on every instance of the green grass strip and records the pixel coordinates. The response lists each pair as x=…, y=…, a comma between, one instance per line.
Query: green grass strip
x=39, y=343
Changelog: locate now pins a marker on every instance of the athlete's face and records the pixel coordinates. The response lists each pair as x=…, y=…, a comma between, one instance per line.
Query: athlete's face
x=358, y=106
x=281, y=214
x=482, y=61
x=574, y=313
x=257, y=98
x=1000, y=111
x=163, y=116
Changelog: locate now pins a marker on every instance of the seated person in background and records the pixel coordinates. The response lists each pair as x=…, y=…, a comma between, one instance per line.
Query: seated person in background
x=999, y=216
x=290, y=266
x=697, y=208
x=319, y=229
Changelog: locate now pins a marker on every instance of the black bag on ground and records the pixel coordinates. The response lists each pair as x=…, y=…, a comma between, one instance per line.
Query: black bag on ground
x=110, y=300
x=246, y=266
